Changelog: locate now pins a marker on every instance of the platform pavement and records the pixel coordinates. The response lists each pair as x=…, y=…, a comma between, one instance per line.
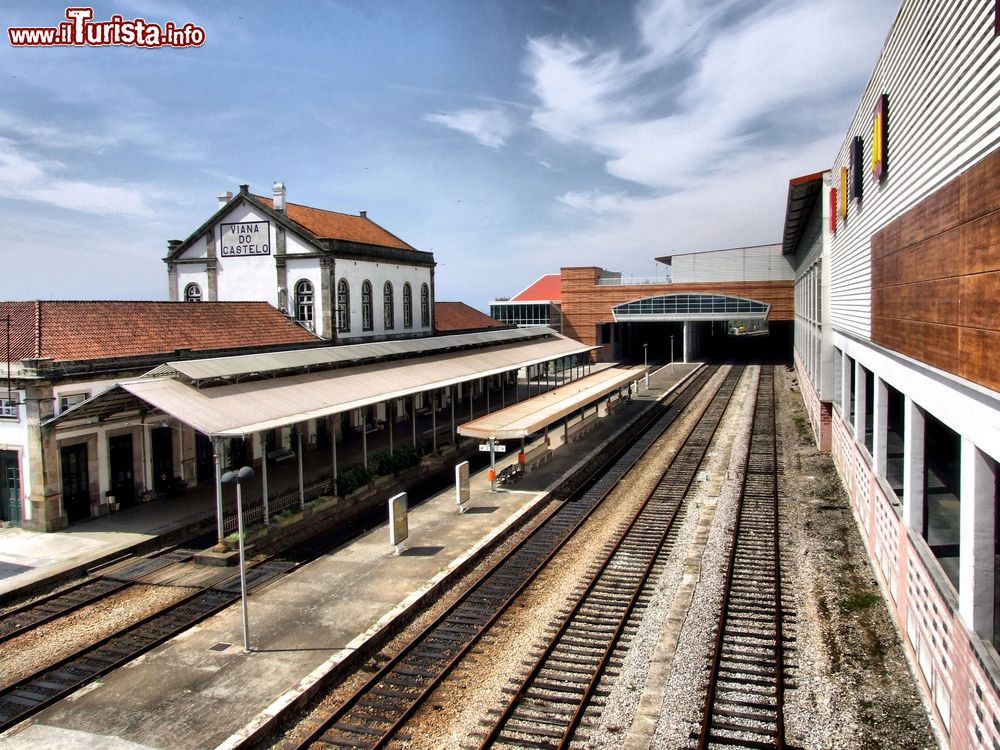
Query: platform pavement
x=185, y=695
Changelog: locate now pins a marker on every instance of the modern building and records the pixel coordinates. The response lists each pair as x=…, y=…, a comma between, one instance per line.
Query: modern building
x=63, y=353
x=897, y=327
x=342, y=276
x=702, y=295
x=538, y=305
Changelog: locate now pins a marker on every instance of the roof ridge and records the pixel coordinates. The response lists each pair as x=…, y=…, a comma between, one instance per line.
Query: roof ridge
x=38, y=328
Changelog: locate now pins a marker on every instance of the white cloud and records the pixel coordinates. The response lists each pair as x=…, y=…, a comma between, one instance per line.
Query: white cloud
x=23, y=177
x=693, y=100
x=490, y=127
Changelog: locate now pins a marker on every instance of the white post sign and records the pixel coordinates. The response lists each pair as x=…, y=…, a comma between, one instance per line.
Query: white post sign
x=398, y=525
x=462, y=485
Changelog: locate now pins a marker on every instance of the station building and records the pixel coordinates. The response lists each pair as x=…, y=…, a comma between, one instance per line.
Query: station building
x=60, y=354
x=703, y=297
x=342, y=276
x=896, y=249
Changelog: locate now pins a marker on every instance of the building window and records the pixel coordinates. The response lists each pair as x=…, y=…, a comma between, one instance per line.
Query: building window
x=388, y=311
x=407, y=306
x=304, y=304
x=942, y=494
x=367, y=315
x=8, y=408
x=895, y=435
x=192, y=293
x=69, y=400
x=425, y=306
x=343, y=306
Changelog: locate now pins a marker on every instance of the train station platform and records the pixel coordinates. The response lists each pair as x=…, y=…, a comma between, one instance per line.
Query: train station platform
x=201, y=690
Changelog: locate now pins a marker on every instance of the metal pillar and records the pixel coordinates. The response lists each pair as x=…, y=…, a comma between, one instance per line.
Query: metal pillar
x=333, y=443
x=389, y=415
x=218, y=489
x=302, y=488
x=263, y=477
x=434, y=422
x=451, y=400
x=364, y=437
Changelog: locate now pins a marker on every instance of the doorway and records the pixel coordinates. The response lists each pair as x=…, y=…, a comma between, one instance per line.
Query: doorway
x=162, y=447
x=204, y=458
x=75, y=482
x=10, y=487
x=122, y=467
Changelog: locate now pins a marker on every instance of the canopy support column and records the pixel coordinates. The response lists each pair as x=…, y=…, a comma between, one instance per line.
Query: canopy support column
x=413, y=417
x=333, y=443
x=302, y=489
x=263, y=476
x=451, y=400
x=392, y=418
x=218, y=488
x=434, y=423
x=364, y=437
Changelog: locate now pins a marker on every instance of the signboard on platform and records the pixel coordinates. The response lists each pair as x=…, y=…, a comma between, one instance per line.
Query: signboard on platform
x=497, y=448
x=398, y=524
x=462, y=485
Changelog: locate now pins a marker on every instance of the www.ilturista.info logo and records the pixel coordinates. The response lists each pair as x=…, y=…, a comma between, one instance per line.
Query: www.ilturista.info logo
x=80, y=30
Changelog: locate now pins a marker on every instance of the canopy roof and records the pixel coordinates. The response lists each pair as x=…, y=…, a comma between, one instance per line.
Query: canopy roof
x=528, y=417
x=241, y=408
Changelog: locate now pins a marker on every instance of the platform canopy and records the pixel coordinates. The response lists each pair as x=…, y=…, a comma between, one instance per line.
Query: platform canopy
x=537, y=413
x=243, y=408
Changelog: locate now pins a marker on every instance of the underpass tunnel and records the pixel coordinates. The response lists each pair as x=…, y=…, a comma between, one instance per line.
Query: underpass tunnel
x=661, y=342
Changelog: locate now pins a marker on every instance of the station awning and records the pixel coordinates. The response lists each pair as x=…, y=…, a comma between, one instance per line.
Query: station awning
x=538, y=412
x=240, y=409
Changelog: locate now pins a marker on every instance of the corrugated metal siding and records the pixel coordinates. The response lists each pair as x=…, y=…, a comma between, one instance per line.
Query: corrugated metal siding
x=939, y=69
x=764, y=263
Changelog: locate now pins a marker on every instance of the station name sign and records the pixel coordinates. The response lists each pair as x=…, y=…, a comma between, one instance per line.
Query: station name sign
x=245, y=238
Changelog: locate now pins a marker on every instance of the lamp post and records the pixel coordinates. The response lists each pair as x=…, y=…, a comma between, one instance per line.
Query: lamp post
x=671, y=349
x=239, y=477
x=645, y=362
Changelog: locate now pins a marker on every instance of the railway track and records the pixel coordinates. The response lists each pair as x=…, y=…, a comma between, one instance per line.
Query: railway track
x=22, y=619
x=376, y=712
x=551, y=699
x=55, y=682
x=744, y=699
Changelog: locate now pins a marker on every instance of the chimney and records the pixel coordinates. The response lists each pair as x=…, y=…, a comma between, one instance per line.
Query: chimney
x=364, y=214
x=279, y=196
x=173, y=245
x=244, y=189
x=224, y=198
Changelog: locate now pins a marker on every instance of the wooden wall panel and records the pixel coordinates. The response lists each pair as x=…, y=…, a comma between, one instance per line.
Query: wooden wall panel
x=936, y=278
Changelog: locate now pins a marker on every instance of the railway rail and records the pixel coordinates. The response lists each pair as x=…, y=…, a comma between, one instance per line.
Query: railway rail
x=56, y=681
x=744, y=698
x=553, y=696
x=373, y=715
x=20, y=620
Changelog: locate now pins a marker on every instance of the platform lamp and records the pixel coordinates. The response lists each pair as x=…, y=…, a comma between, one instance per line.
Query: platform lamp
x=645, y=362
x=239, y=477
x=671, y=348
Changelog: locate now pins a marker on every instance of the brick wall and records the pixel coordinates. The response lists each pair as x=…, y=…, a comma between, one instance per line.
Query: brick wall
x=819, y=412
x=963, y=701
x=585, y=305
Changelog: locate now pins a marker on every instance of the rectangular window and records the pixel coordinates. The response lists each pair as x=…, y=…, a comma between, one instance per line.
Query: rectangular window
x=8, y=408
x=942, y=496
x=894, y=434
x=838, y=379
x=869, y=410
x=69, y=400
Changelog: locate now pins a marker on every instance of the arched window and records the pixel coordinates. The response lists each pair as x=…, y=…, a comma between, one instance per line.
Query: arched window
x=407, y=306
x=367, y=315
x=304, y=303
x=192, y=293
x=343, y=306
x=425, y=306
x=388, y=311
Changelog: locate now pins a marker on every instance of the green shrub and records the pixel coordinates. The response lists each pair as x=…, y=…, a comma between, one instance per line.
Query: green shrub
x=351, y=479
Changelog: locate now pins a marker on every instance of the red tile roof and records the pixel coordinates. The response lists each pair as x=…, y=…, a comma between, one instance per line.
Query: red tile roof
x=68, y=331
x=337, y=226
x=450, y=317
x=546, y=289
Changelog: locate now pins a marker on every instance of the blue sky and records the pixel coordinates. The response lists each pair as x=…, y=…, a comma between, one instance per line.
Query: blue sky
x=508, y=137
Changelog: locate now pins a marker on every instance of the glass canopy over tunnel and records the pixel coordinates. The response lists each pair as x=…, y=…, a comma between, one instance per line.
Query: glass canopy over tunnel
x=690, y=307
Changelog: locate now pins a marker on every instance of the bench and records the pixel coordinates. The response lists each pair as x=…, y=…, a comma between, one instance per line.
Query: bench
x=536, y=457
x=510, y=474
x=281, y=454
